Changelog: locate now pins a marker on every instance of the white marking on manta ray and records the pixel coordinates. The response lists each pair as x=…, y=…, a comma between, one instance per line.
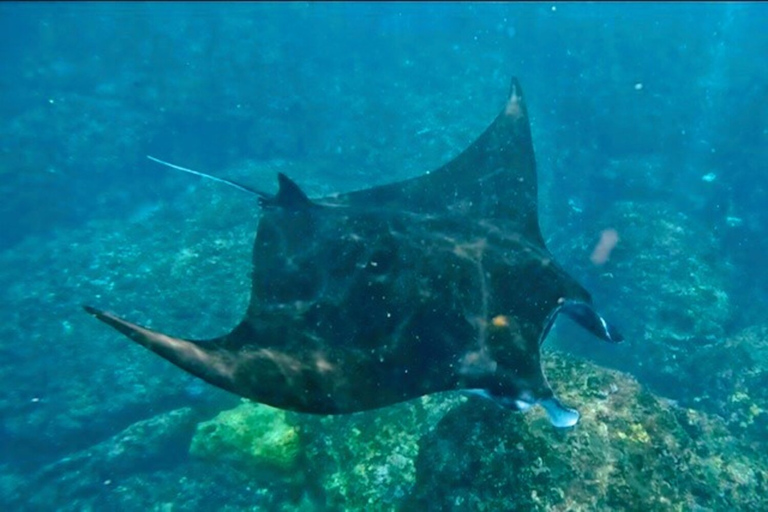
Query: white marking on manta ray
x=490, y=175
x=513, y=108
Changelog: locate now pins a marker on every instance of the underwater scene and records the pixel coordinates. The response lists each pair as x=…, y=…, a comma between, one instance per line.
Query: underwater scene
x=383, y=256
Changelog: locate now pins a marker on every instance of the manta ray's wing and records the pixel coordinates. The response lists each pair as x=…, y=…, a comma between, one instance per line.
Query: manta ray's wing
x=494, y=178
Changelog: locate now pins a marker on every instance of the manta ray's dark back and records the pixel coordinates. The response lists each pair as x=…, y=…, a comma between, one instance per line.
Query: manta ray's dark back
x=361, y=300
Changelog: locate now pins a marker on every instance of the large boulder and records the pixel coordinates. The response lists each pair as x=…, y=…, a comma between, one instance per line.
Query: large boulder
x=364, y=460
x=150, y=445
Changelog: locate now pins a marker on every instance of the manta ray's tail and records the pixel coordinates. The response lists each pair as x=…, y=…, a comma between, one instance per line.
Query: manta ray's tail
x=231, y=183
x=208, y=364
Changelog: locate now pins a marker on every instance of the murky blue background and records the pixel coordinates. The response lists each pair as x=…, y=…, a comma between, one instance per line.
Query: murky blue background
x=648, y=119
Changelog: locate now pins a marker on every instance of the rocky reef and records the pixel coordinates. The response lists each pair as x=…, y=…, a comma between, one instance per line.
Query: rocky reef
x=369, y=459
x=341, y=100
x=151, y=445
x=731, y=379
x=630, y=450
x=670, y=287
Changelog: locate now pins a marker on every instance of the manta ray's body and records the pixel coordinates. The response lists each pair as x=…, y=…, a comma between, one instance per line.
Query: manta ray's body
x=362, y=300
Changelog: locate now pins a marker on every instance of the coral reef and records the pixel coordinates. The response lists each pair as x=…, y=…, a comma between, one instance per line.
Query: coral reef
x=77, y=387
x=342, y=97
x=441, y=452
x=447, y=452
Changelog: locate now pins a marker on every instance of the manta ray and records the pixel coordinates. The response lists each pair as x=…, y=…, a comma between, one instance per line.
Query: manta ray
x=365, y=299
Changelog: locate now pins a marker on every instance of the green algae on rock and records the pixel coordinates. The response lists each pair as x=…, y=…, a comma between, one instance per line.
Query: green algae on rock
x=251, y=436
x=368, y=459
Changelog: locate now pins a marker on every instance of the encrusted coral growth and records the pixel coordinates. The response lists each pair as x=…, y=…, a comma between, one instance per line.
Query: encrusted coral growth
x=252, y=436
x=368, y=459
x=630, y=451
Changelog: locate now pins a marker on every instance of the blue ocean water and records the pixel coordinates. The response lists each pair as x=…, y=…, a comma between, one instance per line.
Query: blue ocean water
x=648, y=121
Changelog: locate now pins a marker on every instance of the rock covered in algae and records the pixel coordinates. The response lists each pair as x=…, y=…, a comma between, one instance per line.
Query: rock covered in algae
x=153, y=444
x=251, y=436
x=366, y=461
x=630, y=451
x=731, y=379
